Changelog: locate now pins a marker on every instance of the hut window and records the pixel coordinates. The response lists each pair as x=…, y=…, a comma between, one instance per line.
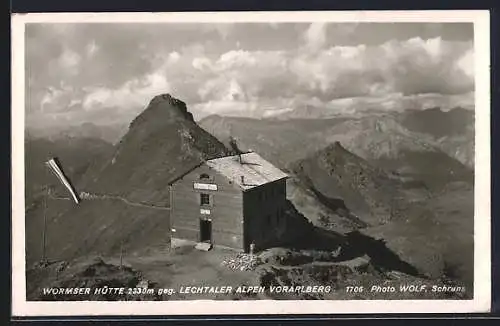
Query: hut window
x=204, y=176
x=204, y=199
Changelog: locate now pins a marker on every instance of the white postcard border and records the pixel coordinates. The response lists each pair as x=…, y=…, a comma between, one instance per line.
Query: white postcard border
x=482, y=202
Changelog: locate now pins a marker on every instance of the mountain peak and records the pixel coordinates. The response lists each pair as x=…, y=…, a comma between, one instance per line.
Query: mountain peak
x=161, y=143
x=172, y=107
x=335, y=147
x=169, y=99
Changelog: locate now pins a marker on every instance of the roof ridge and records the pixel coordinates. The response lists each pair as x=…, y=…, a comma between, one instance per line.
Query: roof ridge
x=233, y=155
x=255, y=172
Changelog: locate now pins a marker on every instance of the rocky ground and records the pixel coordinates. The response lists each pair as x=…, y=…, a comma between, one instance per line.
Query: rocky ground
x=280, y=273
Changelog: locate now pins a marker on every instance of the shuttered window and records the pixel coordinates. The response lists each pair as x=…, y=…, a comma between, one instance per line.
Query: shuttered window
x=205, y=177
x=204, y=199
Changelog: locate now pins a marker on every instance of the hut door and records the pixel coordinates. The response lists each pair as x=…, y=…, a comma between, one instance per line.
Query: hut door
x=205, y=230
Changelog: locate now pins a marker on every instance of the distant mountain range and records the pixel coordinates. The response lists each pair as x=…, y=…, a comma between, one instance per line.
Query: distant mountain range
x=370, y=136
x=453, y=130
x=109, y=133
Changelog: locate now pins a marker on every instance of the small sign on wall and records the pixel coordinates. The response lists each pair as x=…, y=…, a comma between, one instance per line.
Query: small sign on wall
x=205, y=186
x=205, y=211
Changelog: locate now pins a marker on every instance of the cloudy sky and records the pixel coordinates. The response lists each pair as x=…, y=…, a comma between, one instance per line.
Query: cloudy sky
x=107, y=73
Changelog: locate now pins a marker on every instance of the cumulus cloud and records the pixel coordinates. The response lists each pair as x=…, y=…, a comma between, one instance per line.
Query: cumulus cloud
x=276, y=112
x=132, y=94
x=116, y=71
x=56, y=99
x=405, y=68
x=315, y=36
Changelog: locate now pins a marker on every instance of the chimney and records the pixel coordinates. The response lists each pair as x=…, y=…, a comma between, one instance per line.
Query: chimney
x=242, y=180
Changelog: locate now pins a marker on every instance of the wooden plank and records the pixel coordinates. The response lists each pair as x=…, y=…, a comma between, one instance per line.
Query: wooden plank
x=261, y=208
x=226, y=207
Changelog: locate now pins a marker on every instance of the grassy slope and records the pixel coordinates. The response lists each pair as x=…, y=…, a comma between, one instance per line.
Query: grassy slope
x=437, y=238
x=94, y=227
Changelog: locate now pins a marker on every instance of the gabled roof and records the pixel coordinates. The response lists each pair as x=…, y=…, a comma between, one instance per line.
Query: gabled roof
x=251, y=172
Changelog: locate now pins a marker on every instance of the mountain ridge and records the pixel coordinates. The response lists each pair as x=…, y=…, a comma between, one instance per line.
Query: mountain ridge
x=161, y=142
x=369, y=192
